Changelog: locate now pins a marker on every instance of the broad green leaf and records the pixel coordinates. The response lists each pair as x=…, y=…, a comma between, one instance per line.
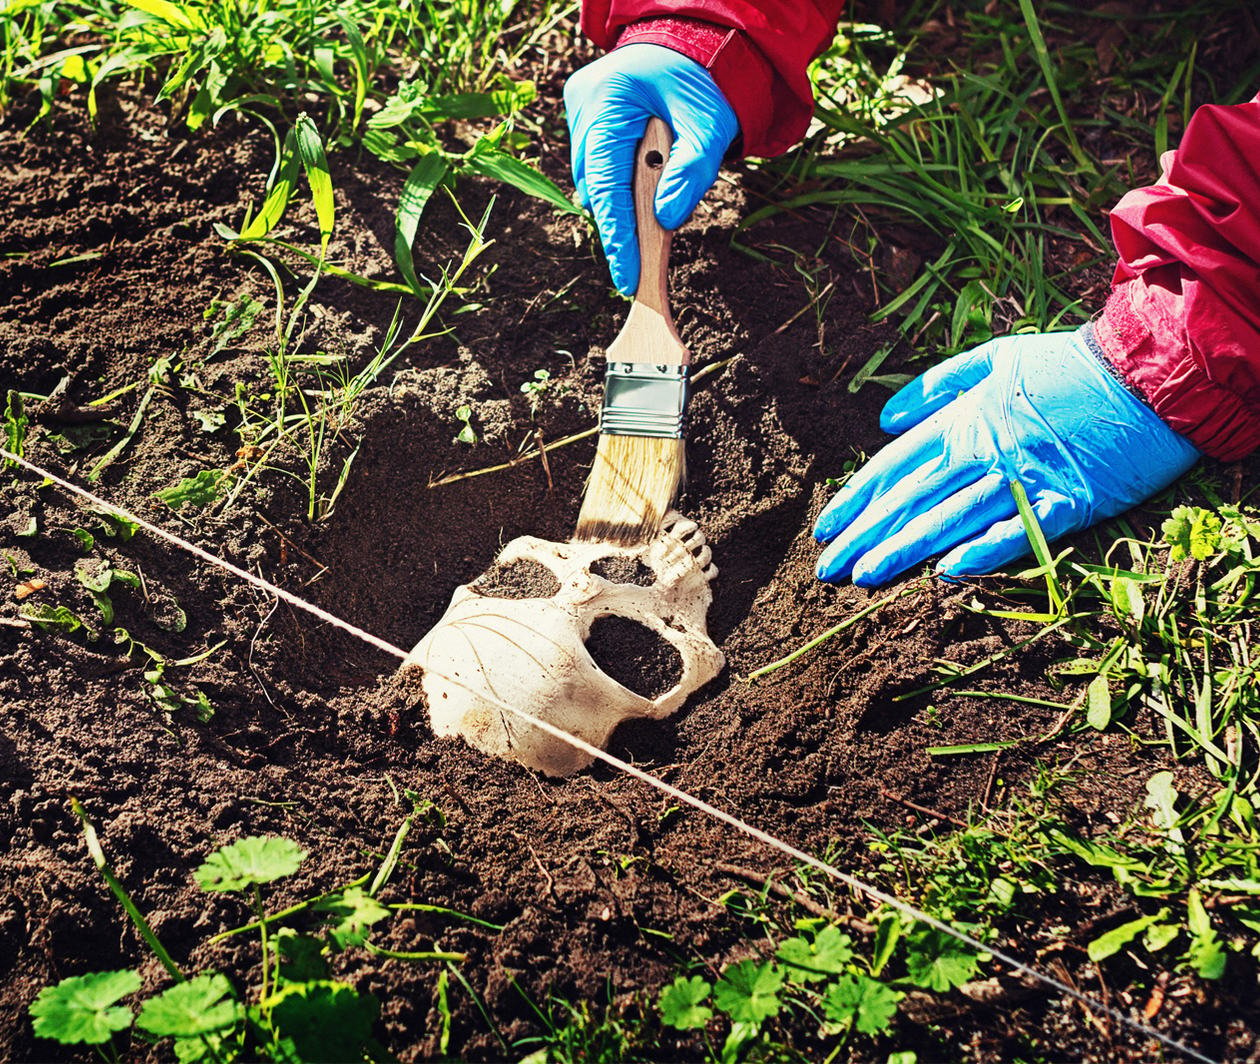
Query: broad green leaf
x=1113, y=941
x=1098, y=703
x=202, y=1005
x=682, y=1003
x=1206, y=953
x=47, y=616
x=1159, y=936
x=353, y=910
x=1126, y=599
x=84, y=1009
x=887, y=935
x=749, y=992
x=1192, y=532
x=1161, y=800
x=866, y=1003
x=200, y=491
x=424, y=178
x=311, y=151
x=465, y=105
x=809, y=961
x=277, y=200
x=937, y=961
x=183, y=17
x=323, y=1022
x=252, y=860
x=493, y=162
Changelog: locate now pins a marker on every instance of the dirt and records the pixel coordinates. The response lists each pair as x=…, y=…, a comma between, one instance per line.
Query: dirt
x=109, y=262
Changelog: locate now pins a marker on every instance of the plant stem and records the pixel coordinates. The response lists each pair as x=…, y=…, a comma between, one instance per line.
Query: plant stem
x=848, y=622
x=262, y=933
x=124, y=899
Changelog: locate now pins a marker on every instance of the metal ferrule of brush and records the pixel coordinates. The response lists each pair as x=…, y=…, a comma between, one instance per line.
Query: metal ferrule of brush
x=642, y=399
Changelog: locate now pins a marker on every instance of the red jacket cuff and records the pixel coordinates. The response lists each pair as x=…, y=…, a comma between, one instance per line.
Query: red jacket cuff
x=744, y=75
x=1152, y=358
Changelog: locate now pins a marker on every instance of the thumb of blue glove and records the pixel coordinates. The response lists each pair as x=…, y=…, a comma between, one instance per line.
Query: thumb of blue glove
x=608, y=104
x=1041, y=409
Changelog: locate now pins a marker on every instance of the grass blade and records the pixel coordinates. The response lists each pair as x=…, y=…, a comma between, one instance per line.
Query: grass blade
x=421, y=183
x=310, y=149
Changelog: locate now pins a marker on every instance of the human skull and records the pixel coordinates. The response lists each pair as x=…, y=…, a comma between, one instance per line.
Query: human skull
x=529, y=650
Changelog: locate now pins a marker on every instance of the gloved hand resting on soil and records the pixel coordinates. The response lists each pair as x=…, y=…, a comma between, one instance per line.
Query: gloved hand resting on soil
x=1042, y=409
x=608, y=104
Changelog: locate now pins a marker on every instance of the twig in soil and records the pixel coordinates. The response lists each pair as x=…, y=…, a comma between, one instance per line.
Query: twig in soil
x=988, y=785
x=936, y=813
x=542, y=457
x=848, y=622
x=803, y=900
x=551, y=883
x=520, y=459
x=294, y=547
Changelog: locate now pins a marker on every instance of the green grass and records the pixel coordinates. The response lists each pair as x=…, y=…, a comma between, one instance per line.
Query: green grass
x=1003, y=155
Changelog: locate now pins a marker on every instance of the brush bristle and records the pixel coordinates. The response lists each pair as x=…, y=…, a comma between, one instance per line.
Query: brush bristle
x=631, y=487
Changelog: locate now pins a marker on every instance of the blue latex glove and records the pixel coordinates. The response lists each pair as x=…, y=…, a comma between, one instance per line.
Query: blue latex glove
x=1040, y=408
x=608, y=104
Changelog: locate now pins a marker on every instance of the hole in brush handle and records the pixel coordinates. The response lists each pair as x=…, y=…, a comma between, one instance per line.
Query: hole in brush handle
x=654, y=159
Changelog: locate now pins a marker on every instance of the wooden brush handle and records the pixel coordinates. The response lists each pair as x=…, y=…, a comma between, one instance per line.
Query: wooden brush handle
x=649, y=334
x=649, y=161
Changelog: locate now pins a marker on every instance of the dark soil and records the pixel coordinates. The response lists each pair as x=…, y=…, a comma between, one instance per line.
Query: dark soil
x=108, y=262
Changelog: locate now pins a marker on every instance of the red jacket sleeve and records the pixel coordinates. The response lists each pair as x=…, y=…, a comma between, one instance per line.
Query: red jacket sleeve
x=1182, y=326
x=756, y=50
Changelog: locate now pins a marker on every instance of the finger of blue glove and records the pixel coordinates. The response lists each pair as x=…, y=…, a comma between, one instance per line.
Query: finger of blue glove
x=963, y=514
x=1007, y=540
x=936, y=388
x=687, y=176
x=918, y=450
x=918, y=492
x=608, y=158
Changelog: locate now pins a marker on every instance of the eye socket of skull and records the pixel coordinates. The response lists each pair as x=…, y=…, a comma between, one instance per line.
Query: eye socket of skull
x=631, y=654
x=618, y=569
x=524, y=578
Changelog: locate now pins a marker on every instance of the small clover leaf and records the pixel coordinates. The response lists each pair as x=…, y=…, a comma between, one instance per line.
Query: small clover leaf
x=866, y=1003
x=257, y=859
x=749, y=992
x=937, y=961
x=202, y=1005
x=83, y=1008
x=354, y=911
x=682, y=1003
x=808, y=961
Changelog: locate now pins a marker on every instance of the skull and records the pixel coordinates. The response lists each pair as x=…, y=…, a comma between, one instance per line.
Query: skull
x=529, y=650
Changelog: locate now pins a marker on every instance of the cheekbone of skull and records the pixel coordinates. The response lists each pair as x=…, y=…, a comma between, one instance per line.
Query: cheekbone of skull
x=530, y=653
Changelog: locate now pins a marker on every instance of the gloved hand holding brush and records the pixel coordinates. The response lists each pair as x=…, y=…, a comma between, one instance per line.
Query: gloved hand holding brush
x=608, y=105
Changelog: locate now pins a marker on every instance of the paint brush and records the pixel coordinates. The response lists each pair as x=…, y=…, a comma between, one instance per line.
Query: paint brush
x=640, y=460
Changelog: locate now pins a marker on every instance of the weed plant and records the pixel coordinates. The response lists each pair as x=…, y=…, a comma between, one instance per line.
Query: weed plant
x=299, y=1011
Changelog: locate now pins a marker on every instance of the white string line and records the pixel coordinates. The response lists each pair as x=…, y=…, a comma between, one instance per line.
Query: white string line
x=652, y=781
